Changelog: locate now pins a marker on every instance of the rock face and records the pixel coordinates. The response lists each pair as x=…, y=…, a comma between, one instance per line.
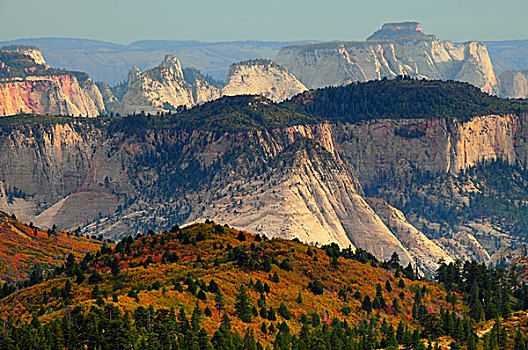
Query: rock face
x=41, y=90
x=163, y=89
x=292, y=184
x=30, y=51
x=514, y=84
x=301, y=181
x=426, y=252
x=377, y=149
x=390, y=52
x=110, y=100
x=262, y=77
x=54, y=95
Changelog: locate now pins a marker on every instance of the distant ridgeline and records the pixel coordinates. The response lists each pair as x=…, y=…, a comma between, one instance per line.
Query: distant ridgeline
x=401, y=98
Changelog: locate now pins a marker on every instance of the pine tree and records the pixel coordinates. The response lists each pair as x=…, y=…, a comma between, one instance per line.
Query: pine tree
x=242, y=306
x=366, y=304
x=219, y=301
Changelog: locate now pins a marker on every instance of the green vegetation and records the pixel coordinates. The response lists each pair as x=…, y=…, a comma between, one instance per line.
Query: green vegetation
x=207, y=291
x=236, y=113
x=357, y=102
x=18, y=65
x=493, y=192
x=402, y=98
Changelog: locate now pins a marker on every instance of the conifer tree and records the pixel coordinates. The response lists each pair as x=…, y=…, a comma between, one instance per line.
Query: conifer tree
x=242, y=306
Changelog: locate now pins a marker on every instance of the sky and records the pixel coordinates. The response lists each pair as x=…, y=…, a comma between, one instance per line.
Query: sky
x=124, y=21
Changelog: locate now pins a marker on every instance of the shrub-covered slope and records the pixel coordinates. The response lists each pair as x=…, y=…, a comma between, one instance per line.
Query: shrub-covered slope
x=209, y=286
x=23, y=248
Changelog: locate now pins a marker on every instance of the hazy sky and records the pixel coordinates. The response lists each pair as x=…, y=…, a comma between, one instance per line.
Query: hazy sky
x=124, y=21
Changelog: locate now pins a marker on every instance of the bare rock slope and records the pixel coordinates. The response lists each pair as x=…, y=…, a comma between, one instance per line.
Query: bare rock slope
x=388, y=54
x=262, y=77
x=164, y=88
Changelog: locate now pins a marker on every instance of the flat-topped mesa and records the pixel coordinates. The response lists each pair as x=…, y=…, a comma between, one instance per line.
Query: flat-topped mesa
x=400, y=31
x=395, y=50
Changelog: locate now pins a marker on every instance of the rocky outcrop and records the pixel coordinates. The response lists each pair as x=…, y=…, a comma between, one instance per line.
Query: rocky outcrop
x=340, y=63
x=292, y=184
x=30, y=51
x=41, y=90
x=302, y=181
x=262, y=77
x=53, y=95
x=163, y=89
x=514, y=84
x=425, y=252
x=387, y=148
x=110, y=100
x=308, y=194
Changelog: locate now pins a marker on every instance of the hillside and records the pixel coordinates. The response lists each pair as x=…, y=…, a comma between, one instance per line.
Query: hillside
x=214, y=287
x=204, y=267
x=403, y=98
x=296, y=169
x=23, y=249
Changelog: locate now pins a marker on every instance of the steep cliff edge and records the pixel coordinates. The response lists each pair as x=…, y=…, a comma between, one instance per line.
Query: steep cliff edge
x=425, y=251
x=389, y=147
x=277, y=182
x=28, y=85
x=261, y=77
x=388, y=56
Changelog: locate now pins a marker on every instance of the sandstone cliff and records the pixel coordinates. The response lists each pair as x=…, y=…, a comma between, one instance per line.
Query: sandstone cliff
x=381, y=148
x=163, y=89
x=78, y=175
x=30, y=51
x=305, y=181
x=29, y=86
x=425, y=251
x=514, y=84
x=340, y=63
x=261, y=77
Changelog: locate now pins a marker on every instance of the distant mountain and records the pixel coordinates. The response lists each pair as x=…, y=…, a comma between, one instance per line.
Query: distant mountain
x=110, y=62
x=168, y=87
x=508, y=54
x=394, y=50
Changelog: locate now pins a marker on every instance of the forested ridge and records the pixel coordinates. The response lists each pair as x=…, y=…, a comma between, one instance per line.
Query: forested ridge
x=208, y=286
x=401, y=98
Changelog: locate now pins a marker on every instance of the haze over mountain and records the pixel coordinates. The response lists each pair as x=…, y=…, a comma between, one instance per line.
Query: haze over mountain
x=111, y=62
